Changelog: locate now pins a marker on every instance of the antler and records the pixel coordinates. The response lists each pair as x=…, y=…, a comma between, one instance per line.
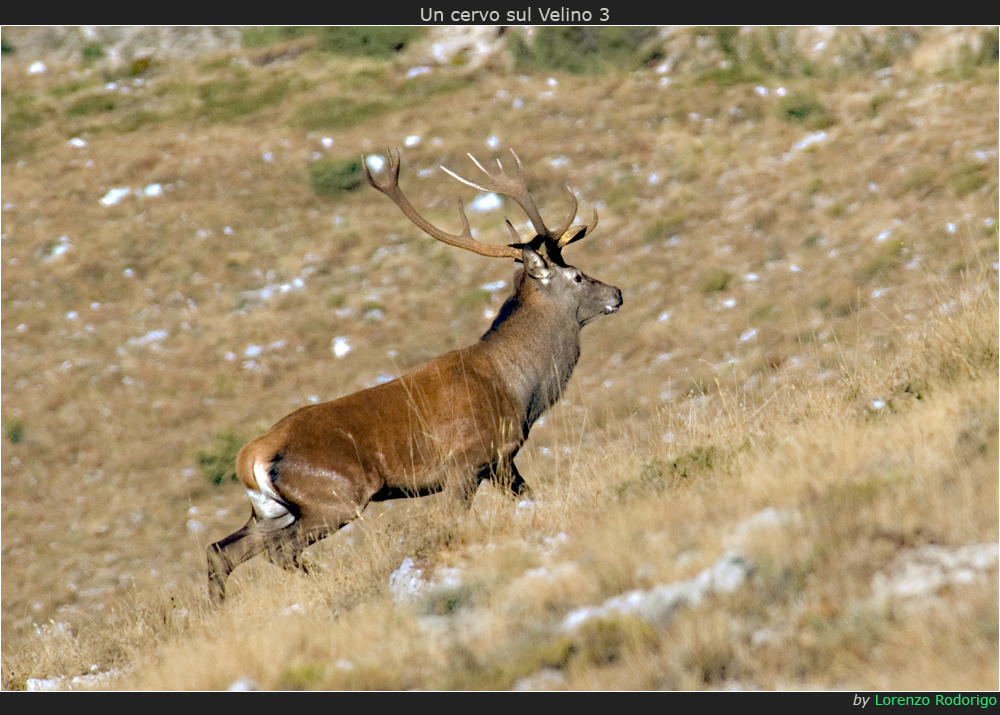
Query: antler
x=514, y=186
x=462, y=240
x=499, y=182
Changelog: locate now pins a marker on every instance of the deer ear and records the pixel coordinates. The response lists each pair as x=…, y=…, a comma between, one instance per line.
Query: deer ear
x=534, y=265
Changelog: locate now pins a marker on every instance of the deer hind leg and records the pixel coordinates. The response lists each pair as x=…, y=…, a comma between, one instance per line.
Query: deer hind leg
x=315, y=521
x=283, y=546
x=230, y=552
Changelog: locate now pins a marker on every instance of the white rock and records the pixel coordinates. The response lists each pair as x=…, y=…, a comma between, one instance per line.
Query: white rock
x=485, y=202
x=925, y=570
x=340, y=347
x=114, y=196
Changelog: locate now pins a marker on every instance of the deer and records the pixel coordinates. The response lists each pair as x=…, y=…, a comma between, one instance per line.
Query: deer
x=445, y=427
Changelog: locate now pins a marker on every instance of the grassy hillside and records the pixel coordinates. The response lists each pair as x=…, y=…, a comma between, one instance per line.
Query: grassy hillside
x=804, y=374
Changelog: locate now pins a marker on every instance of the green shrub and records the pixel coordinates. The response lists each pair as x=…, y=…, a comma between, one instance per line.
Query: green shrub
x=14, y=429
x=653, y=477
x=329, y=178
x=715, y=280
x=257, y=37
x=340, y=113
x=586, y=50
x=699, y=459
x=22, y=117
x=219, y=463
x=966, y=178
x=234, y=97
x=989, y=48
x=378, y=42
x=92, y=51
x=922, y=180
x=664, y=227
x=303, y=676
x=139, y=66
x=804, y=108
x=92, y=104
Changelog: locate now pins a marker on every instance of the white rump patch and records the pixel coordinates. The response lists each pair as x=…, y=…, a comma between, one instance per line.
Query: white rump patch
x=268, y=510
x=267, y=505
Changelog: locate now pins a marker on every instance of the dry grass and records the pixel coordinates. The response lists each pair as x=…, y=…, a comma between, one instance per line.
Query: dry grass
x=846, y=372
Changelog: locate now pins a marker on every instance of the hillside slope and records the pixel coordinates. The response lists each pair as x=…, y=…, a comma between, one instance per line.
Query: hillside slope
x=784, y=445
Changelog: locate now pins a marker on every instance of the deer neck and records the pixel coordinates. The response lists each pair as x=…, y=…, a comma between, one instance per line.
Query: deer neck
x=535, y=349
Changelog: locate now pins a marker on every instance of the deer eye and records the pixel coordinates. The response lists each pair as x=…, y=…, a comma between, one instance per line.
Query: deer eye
x=578, y=278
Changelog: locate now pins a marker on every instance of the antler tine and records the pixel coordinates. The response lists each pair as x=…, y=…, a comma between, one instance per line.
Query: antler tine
x=515, y=187
x=514, y=234
x=501, y=182
x=577, y=232
x=558, y=234
x=462, y=240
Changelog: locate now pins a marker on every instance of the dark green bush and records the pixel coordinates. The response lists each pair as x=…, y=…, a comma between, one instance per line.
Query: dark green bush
x=329, y=178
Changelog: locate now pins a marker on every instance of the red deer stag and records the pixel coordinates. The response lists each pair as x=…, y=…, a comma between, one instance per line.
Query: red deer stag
x=446, y=426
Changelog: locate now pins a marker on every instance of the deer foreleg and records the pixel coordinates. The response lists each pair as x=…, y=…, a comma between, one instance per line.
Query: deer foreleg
x=503, y=473
x=518, y=486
